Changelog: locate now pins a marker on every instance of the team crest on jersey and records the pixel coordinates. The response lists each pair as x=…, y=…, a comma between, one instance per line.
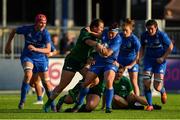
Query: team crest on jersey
x=129, y=45
x=161, y=71
x=123, y=87
x=29, y=35
x=145, y=40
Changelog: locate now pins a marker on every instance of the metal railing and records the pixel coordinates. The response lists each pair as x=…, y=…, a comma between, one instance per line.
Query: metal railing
x=18, y=42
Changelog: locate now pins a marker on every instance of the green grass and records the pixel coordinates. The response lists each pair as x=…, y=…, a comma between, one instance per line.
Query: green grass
x=8, y=110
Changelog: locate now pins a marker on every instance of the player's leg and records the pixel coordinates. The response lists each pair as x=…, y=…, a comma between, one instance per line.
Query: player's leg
x=69, y=69
x=71, y=97
x=119, y=102
x=48, y=88
x=147, y=89
x=133, y=74
x=92, y=101
x=158, y=80
x=90, y=77
x=27, y=66
x=38, y=88
x=109, y=75
x=134, y=98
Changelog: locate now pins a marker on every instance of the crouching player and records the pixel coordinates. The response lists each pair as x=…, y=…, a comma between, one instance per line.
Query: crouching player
x=92, y=99
x=124, y=96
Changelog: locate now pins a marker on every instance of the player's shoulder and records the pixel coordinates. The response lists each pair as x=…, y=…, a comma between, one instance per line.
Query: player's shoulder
x=125, y=79
x=144, y=34
x=26, y=27
x=161, y=33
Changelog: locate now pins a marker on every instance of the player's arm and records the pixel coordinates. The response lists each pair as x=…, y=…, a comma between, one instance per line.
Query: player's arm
x=94, y=44
x=167, y=41
x=141, y=54
x=45, y=50
x=8, y=44
x=98, y=35
x=134, y=62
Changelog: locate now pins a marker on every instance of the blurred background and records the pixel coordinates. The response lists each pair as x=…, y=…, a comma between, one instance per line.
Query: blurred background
x=67, y=17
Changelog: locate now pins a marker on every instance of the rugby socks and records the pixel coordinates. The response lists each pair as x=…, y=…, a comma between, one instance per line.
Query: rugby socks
x=148, y=95
x=24, y=89
x=162, y=90
x=61, y=100
x=39, y=98
x=48, y=92
x=109, y=96
x=83, y=93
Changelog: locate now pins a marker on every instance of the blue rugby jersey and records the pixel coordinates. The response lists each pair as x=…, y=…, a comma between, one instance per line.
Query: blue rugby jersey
x=155, y=45
x=114, y=44
x=129, y=48
x=38, y=39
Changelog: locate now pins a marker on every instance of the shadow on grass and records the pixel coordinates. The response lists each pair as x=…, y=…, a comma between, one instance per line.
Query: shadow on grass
x=21, y=111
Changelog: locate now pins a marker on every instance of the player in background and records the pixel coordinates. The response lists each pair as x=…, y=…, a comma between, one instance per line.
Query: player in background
x=33, y=57
x=129, y=52
x=111, y=42
x=124, y=96
x=156, y=46
x=92, y=99
x=75, y=61
x=39, y=89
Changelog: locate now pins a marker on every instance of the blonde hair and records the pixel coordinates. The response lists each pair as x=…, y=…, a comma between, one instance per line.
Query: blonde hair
x=129, y=22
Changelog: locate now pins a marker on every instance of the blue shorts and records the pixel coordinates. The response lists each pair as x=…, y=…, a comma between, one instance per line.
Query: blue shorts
x=127, y=61
x=154, y=67
x=135, y=68
x=97, y=69
x=39, y=66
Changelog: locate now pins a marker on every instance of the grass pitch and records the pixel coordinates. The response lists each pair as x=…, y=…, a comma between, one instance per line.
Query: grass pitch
x=9, y=102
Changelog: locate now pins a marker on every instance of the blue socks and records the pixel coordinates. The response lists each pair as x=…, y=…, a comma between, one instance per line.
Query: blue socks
x=109, y=97
x=148, y=96
x=24, y=89
x=39, y=98
x=83, y=93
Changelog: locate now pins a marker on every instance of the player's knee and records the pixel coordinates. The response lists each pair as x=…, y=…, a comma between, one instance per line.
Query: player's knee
x=68, y=100
x=147, y=77
x=90, y=106
x=131, y=98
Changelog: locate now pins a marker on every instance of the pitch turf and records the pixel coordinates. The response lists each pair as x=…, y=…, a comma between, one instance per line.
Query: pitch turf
x=8, y=110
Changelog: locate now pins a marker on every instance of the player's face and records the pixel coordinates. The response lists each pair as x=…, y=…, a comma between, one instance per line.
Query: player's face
x=112, y=34
x=127, y=31
x=119, y=74
x=152, y=30
x=41, y=25
x=99, y=29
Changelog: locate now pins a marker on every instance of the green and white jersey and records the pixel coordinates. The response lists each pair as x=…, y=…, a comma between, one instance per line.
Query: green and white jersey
x=122, y=87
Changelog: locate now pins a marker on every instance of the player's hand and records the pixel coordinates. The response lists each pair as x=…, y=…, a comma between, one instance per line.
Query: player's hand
x=160, y=60
x=99, y=47
x=88, y=29
x=128, y=67
x=116, y=63
x=32, y=48
x=8, y=48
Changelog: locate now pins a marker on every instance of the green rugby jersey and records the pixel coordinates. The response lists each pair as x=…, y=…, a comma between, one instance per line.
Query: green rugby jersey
x=122, y=87
x=81, y=51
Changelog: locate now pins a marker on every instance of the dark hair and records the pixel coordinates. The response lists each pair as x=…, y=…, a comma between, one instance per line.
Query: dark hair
x=129, y=22
x=151, y=22
x=54, y=35
x=113, y=26
x=95, y=23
